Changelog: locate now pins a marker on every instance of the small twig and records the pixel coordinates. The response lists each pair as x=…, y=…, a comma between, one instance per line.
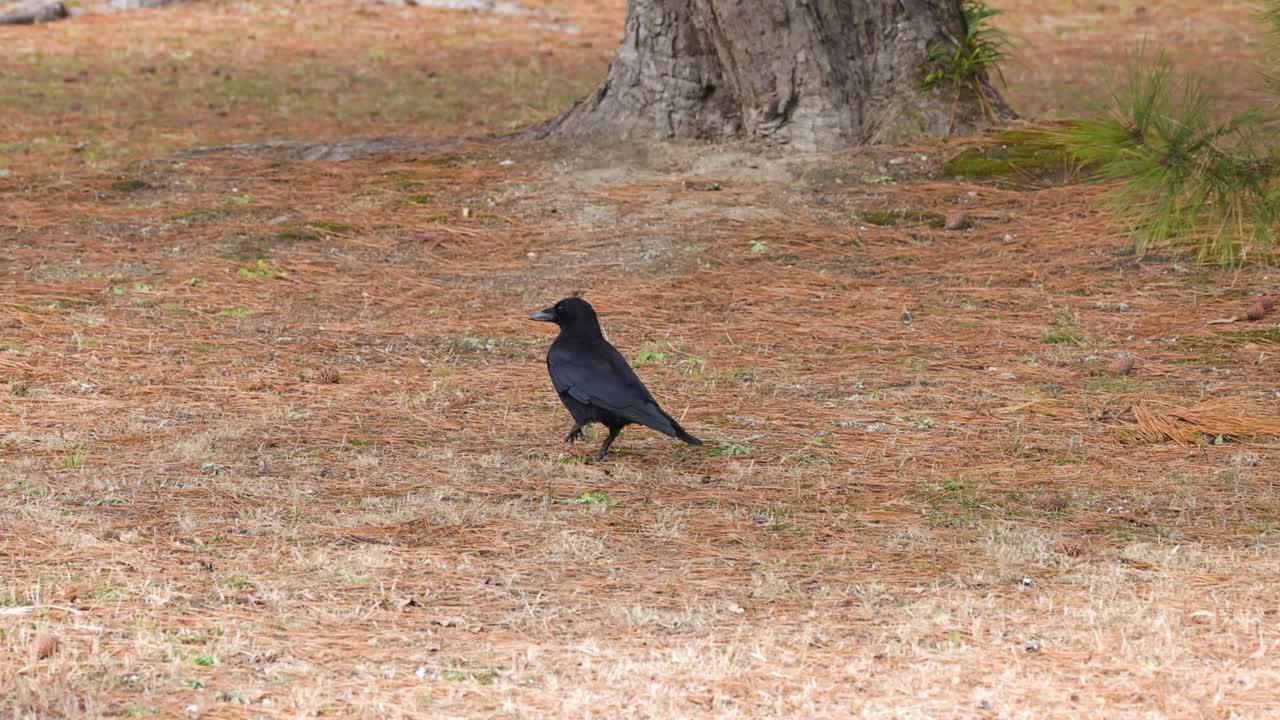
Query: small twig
x=28, y=609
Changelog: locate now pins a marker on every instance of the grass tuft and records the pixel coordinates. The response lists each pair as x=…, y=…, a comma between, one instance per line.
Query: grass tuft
x=971, y=61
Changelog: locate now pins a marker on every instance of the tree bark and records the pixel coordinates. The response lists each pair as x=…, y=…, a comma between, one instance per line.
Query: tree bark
x=33, y=12
x=810, y=73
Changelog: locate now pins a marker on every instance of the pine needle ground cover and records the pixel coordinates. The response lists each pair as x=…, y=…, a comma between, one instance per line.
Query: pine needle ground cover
x=277, y=441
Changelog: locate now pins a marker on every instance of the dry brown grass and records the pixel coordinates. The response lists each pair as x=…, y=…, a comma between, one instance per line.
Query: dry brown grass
x=1069, y=52
x=947, y=517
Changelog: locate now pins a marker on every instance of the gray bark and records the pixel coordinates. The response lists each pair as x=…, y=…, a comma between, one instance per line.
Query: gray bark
x=811, y=73
x=34, y=11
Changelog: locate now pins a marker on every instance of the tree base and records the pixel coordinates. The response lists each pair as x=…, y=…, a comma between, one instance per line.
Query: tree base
x=812, y=74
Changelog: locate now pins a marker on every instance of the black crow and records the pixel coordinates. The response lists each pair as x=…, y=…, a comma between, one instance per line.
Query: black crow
x=595, y=382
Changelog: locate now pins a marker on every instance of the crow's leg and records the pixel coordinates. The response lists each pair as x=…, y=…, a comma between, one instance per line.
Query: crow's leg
x=574, y=434
x=604, y=449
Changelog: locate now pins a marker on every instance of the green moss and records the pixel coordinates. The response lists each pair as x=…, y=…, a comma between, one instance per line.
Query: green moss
x=290, y=235
x=901, y=216
x=256, y=248
x=200, y=215
x=1061, y=337
x=1020, y=156
x=403, y=182
x=330, y=226
x=129, y=185
x=443, y=159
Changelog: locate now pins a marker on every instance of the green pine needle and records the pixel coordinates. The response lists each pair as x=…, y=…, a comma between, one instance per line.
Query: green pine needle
x=1186, y=180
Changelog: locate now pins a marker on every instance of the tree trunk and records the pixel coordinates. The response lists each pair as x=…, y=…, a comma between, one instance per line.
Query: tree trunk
x=811, y=73
x=33, y=12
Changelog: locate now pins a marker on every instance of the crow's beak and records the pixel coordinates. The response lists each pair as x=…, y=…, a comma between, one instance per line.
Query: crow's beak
x=548, y=315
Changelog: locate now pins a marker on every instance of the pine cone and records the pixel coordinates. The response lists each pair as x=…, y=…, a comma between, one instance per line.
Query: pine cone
x=1071, y=547
x=956, y=220
x=1051, y=502
x=1266, y=303
x=1122, y=365
x=1257, y=312
x=44, y=645
x=328, y=376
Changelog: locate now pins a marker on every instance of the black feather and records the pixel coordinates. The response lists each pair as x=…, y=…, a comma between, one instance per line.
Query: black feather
x=594, y=381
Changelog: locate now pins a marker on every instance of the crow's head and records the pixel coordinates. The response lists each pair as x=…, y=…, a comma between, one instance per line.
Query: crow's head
x=572, y=314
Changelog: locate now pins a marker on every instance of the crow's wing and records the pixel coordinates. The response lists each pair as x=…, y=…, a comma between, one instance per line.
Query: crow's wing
x=598, y=375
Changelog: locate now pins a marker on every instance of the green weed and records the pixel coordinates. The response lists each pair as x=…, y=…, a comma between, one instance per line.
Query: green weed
x=1062, y=337
x=1187, y=180
x=261, y=270
x=645, y=357
x=974, y=58
x=75, y=459
x=596, y=498
x=731, y=448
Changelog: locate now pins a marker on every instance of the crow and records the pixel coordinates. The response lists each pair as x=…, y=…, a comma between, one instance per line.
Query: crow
x=595, y=382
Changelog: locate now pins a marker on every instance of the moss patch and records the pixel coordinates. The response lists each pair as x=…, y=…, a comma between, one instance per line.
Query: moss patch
x=902, y=216
x=130, y=185
x=257, y=247
x=329, y=226
x=1018, y=156
x=200, y=215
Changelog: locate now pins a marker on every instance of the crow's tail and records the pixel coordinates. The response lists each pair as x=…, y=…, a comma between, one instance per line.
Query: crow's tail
x=659, y=420
x=682, y=434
